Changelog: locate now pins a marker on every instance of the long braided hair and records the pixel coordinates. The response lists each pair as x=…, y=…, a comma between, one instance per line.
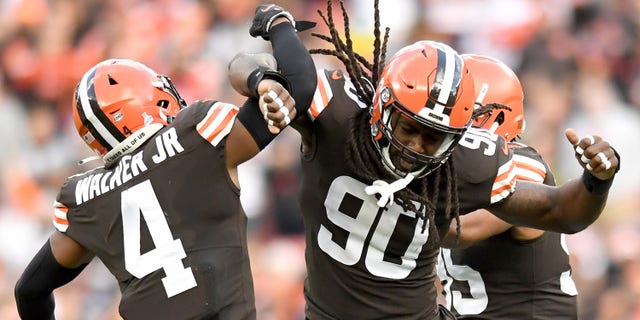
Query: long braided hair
x=487, y=110
x=365, y=75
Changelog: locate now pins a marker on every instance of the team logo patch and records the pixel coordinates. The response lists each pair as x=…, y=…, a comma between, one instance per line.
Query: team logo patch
x=147, y=119
x=88, y=137
x=118, y=117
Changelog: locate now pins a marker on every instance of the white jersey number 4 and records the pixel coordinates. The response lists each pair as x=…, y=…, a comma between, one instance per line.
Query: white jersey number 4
x=141, y=201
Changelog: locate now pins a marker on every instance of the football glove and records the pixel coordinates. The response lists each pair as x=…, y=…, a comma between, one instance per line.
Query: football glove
x=265, y=15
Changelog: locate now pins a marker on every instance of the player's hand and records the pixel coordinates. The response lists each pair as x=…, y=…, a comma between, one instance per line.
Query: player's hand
x=265, y=17
x=244, y=64
x=277, y=105
x=594, y=154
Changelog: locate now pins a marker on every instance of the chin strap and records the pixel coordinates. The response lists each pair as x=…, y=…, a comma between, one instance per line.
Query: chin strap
x=88, y=159
x=386, y=190
x=131, y=143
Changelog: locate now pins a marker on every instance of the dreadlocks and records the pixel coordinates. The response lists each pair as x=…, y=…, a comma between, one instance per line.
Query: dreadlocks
x=365, y=75
x=487, y=109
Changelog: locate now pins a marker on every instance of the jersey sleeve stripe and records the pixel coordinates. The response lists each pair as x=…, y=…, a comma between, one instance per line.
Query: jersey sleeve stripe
x=533, y=164
x=208, y=119
x=321, y=97
x=505, y=182
x=528, y=175
x=218, y=122
x=60, y=221
x=529, y=169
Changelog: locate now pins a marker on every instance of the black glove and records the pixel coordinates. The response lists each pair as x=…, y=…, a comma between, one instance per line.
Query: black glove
x=265, y=15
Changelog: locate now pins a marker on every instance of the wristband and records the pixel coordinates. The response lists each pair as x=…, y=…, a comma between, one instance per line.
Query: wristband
x=253, y=120
x=260, y=73
x=595, y=185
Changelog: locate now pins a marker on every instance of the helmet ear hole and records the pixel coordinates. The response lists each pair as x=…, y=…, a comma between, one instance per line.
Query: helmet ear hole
x=500, y=117
x=112, y=81
x=163, y=104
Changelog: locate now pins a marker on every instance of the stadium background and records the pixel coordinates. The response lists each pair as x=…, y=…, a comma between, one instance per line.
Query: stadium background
x=579, y=62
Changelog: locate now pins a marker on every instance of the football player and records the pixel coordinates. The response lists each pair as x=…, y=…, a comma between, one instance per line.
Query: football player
x=163, y=213
x=389, y=159
x=492, y=269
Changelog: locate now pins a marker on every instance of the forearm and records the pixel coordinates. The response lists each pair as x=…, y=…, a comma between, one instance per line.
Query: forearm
x=35, y=307
x=296, y=70
x=568, y=208
x=474, y=227
x=243, y=65
x=295, y=64
x=296, y=67
x=577, y=206
x=34, y=289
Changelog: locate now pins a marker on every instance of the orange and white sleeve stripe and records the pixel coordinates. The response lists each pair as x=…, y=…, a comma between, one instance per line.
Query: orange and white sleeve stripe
x=60, y=216
x=218, y=122
x=321, y=97
x=505, y=182
x=529, y=169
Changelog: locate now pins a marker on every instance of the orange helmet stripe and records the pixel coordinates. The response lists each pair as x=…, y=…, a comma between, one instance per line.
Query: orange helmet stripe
x=92, y=116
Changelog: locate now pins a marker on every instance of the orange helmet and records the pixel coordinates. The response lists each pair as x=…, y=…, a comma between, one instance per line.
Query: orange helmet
x=496, y=83
x=118, y=97
x=429, y=83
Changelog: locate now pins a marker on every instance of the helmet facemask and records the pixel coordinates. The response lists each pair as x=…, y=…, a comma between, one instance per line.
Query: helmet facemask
x=164, y=83
x=422, y=164
x=428, y=84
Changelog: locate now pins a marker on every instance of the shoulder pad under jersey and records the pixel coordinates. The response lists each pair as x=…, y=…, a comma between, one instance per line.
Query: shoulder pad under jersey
x=212, y=119
x=529, y=164
x=331, y=83
x=483, y=158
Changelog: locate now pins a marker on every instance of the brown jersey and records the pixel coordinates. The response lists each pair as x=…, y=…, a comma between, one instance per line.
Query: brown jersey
x=503, y=278
x=166, y=221
x=364, y=261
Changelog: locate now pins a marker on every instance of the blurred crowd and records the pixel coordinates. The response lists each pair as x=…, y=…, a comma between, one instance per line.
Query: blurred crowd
x=578, y=60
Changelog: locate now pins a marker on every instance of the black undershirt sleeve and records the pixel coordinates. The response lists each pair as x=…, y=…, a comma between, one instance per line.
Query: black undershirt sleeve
x=252, y=119
x=295, y=63
x=34, y=289
x=299, y=71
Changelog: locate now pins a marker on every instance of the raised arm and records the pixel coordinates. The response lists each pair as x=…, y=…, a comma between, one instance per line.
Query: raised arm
x=273, y=23
x=243, y=64
x=272, y=93
x=256, y=129
x=574, y=205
